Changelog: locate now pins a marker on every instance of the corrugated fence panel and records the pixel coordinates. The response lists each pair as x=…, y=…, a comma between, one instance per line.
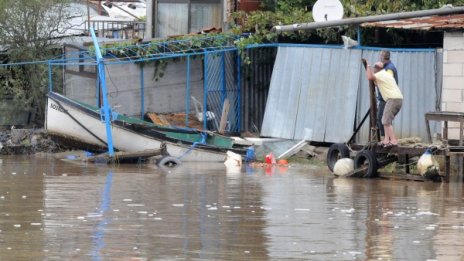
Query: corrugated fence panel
x=342, y=89
x=312, y=88
x=281, y=107
x=326, y=90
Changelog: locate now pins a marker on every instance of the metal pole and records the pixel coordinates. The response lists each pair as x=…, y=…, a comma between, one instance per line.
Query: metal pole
x=223, y=79
x=88, y=15
x=149, y=20
x=205, y=91
x=368, y=19
x=106, y=108
x=142, y=91
x=187, y=97
x=239, y=92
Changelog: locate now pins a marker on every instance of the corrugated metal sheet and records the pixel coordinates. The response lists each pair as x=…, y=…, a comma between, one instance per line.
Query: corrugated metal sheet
x=436, y=22
x=313, y=88
x=326, y=89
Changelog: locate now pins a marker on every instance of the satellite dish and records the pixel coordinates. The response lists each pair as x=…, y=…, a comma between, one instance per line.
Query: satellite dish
x=327, y=10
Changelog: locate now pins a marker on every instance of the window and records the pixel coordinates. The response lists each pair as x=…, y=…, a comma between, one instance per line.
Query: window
x=178, y=17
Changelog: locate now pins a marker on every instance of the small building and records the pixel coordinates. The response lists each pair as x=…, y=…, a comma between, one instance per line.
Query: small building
x=181, y=17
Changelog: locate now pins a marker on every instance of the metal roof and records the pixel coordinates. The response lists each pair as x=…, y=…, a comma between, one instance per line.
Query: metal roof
x=429, y=23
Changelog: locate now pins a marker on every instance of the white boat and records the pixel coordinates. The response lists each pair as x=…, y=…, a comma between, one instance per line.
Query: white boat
x=81, y=124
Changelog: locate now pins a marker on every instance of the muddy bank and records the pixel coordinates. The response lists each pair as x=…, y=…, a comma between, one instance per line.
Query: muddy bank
x=27, y=141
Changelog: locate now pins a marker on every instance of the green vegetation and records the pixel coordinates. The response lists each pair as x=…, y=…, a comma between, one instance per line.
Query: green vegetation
x=285, y=12
x=27, y=30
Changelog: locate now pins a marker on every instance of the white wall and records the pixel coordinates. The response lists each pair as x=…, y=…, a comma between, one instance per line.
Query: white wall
x=453, y=78
x=165, y=95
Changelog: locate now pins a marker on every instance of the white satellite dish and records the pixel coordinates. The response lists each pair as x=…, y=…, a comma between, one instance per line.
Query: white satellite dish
x=327, y=10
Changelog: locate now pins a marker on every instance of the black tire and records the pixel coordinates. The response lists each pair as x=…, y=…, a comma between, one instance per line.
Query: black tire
x=337, y=151
x=369, y=158
x=168, y=162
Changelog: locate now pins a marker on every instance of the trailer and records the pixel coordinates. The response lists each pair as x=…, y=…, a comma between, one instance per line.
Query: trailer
x=370, y=157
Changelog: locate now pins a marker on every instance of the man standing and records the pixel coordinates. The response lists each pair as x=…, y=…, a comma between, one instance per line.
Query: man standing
x=393, y=97
x=389, y=67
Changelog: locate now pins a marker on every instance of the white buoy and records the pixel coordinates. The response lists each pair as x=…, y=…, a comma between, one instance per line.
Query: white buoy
x=343, y=166
x=233, y=159
x=427, y=166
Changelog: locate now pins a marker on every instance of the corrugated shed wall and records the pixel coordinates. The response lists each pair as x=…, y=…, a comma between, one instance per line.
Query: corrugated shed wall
x=326, y=89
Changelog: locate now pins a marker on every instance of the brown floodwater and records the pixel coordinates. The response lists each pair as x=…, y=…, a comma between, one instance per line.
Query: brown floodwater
x=56, y=210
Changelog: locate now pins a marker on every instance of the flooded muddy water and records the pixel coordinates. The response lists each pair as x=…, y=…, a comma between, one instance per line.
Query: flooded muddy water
x=56, y=210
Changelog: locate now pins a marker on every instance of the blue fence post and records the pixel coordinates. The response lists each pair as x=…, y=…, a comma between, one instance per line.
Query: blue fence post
x=187, y=97
x=142, y=91
x=106, y=108
x=223, y=79
x=239, y=92
x=205, y=92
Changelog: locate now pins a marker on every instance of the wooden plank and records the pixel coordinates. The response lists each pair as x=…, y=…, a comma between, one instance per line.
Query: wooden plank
x=158, y=119
x=225, y=112
x=122, y=156
x=397, y=176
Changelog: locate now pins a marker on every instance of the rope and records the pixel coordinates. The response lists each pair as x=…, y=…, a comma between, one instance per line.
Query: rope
x=188, y=151
x=204, y=135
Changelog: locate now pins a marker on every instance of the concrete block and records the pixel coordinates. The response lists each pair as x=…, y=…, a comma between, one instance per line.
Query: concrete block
x=451, y=95
x=453, y=133
x=453, y=124
x=453, y=41
x=455, y=56
x=453, y=82
x=454, y=106
x=452, y=69
x=444, y=106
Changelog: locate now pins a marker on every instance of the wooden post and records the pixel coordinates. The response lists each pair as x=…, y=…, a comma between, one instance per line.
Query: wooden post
x=374, y=132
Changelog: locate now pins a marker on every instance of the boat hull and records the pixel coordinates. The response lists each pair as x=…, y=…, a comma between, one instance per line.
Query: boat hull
x=69, y=121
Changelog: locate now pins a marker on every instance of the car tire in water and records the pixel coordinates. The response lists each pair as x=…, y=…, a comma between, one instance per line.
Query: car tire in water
x=337, y=151
x=369, y=158
x=168, y=162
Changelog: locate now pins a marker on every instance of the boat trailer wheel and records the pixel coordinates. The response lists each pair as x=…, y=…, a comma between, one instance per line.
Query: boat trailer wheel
x=367, y=158
x=337, y=151
x=168, y=162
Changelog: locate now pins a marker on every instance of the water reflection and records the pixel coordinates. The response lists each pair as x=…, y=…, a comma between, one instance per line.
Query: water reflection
x=55, y=210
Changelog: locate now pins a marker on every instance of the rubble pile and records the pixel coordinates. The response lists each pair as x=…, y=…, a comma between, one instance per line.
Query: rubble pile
x=27, y=141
